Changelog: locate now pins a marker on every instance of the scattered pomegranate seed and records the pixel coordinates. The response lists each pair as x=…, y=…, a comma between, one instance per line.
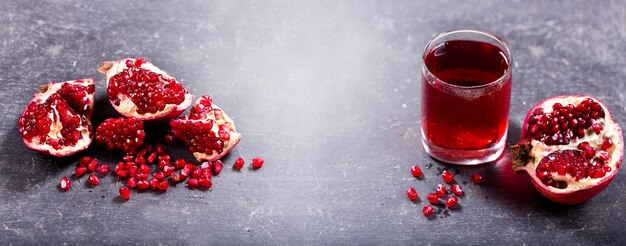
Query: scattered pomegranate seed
x=451, y=201
x=169, y=139
x=433, y=198
x=84, y=161
x=154, y=184
x=447, y=176
x=122, y=174
x=441, y=190
x=257, y=162
x=217, y=167
x=238, y=163
x=152, y=157
x=65, y=184
x=192, y=183
x=169, y=169
x=93, y=180
x=92, y=165
x=416, y=171
x=142, y=176
x=131, y=182
x=180, y=163
x=142, y=184
x=196, y=174
x=163, y=185
x=159, y=176
x=80, y=171
x=103, y=169
x=205, y=182
x=456, y=189
x=477, y=178
x=411, y=194
x=428, y=210
x=124, y=193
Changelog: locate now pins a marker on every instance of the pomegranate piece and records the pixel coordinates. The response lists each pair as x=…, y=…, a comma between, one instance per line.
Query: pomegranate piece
x=124, y=193
x=452, y=201
x=416, y=171
x=192, y=183
x=238, y=163
x=456, y=189
x=80, y=171
x=411, y=194
x=217, y=167
x=428, y=210
x=65, y=184
x=138, y=89
x=103, y=169
x=257, y=162
x=571, y=147
x=57, y=120
x=441, y=190
x=447, y=176
x=121, y=134
x=433, y=198
x=207, y=131
x=93, y=180
x=477, y=178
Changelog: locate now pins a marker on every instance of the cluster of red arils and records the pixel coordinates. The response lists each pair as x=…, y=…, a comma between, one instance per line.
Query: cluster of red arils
x=449, y=195
x=152, y=169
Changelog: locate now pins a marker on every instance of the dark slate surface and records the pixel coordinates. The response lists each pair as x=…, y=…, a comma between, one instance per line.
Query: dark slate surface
x=328, y=93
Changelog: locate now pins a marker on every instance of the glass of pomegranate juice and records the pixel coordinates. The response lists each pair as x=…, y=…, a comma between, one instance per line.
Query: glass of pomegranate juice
x=466, y=93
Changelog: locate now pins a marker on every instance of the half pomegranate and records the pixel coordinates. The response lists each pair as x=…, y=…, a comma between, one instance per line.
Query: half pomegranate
x=138, y=89
x=57, y=120
x=571, y=147
x=207, y=130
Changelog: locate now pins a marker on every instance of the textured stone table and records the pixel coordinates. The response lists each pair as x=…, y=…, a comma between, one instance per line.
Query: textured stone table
x=328, y=93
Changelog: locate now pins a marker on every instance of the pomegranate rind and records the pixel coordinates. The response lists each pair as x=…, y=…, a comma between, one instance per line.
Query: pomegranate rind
x=44, y=92
x=235, y=136
x=128, y=109
x=528, y=153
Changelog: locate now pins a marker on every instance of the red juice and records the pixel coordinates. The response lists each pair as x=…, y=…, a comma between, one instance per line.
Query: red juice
x=465, y=105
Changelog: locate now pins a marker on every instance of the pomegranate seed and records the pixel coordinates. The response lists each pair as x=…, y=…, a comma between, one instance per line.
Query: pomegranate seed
x=164, y=160
x=142, y=184
x=207, y=173
x=131, y=182
x=93, y=180
x=456, y=189
x=451, y=201
x=189, y=166
x=124, y=193
x=140, y=160
x=477, y=178
x=84, y=161
x=205, y=182
x=441, y=190
x=163, y=185
x=132, y=171
x=185, y=172
x=428, y=210
x=608, y=143
x=192, y=183
x=169, y=139
x=154, y=184
x=238, y=163
x=206, y=165
x=180, y=163
x=597, y=128
x=416, y=171
x=65, y=184
x=411, y=194
x=130, y=63
x=447, y=176
x=159, y=176
x=217, y=167
x=80, y=171
x=175, y=177
x=92, y=165
x=142, y=176
x=139, y=62
x=122, y=174
x=143, y=168
x=196, y=174
x=103, y=169
x=257, y=162
x=152, y=157
x=167, y=170
x=433, y=198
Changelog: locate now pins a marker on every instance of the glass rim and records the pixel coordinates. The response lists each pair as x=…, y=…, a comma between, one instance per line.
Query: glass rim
x=507, y=52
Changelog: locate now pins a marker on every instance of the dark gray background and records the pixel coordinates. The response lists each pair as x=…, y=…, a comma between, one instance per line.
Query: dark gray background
x=328, y=93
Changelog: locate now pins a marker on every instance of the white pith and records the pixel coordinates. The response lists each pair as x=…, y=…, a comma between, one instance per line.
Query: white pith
x=610, y=130
x=128, y=106
x=56, y=126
